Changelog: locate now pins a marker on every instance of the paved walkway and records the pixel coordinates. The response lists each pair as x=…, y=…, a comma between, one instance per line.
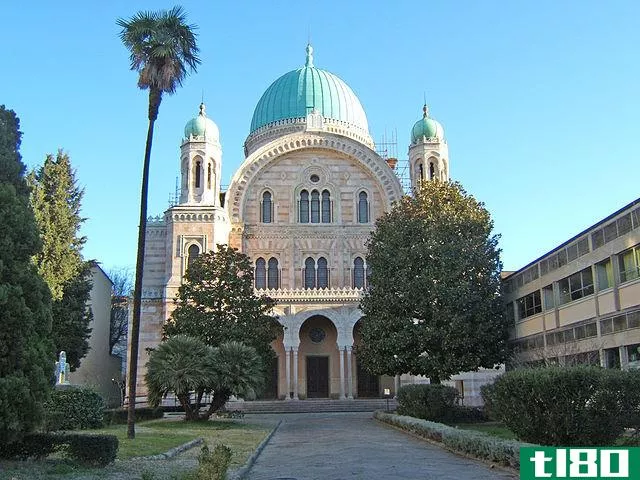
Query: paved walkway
x=332, y=446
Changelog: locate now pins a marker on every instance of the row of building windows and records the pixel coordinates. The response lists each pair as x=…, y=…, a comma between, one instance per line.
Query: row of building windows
x=619, y=323
x=580, y=247
x=314, y=207
x=316, y=274
x=580, y=284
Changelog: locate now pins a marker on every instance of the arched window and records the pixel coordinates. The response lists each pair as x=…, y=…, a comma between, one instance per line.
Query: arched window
x=421, y=172
x=309, y=273
x=358, y=273
x=260, y=279
x=272, y=273
x=363, y=208
x=266, y=207
x=196, y=174
x=323, y=273
x=326, y=206
x=432, y=171
x=315, y=206
x=304, y=206
x=209, y=176
x=192, y=254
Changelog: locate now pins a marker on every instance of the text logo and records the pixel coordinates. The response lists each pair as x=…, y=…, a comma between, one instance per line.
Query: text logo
x=573, y=463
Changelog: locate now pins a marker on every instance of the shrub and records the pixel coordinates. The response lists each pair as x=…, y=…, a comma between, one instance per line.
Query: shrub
x=463, y=414
x=86, y=449
x=117, y=416
x=74, y=409
x=95, y=450
x=585, y=406
x=213, y=466
x=468, y=442
x=430, y=402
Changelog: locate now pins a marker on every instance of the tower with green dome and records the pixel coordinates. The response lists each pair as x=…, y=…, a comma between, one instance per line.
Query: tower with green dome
x=428, y=151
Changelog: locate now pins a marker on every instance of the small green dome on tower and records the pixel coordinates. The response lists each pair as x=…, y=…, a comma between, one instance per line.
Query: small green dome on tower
x=201, y=126
x=300, y=92
x=426, y=127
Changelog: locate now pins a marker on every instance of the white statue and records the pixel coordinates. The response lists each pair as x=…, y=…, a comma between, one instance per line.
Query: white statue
x=62, y=369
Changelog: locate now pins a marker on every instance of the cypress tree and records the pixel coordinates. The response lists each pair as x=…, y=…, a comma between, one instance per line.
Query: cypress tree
x=56, y=201
x=26, y=363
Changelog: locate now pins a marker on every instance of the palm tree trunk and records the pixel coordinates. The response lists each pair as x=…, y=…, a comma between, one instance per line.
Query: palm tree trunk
x=218, y=399
x=155, y=97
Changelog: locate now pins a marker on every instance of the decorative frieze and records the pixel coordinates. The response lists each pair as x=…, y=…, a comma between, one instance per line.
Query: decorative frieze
x=319, y=295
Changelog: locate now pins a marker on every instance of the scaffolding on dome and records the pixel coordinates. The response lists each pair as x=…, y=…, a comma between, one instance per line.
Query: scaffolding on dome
x=387, y=148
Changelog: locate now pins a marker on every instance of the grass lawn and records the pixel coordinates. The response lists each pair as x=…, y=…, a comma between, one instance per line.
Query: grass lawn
x=495, y=429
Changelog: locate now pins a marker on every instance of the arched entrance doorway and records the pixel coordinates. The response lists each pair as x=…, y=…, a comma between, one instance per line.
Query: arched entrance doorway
x=367, y=385
x=318, y=362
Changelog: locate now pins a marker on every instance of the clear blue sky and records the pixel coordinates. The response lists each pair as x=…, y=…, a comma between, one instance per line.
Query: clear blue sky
x=539, y=100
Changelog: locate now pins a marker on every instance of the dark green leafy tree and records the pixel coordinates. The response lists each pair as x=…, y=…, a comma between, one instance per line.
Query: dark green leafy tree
x=185, y=365
x=163, y=50
x=216, y=303
x=433, y=307
x=26, y=364
x=56, y=200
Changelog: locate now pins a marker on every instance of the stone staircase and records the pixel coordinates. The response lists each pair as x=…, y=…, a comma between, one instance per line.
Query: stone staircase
x=312, y=405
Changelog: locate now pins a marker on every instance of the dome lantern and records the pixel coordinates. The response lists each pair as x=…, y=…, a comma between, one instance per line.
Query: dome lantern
x=201, y=126
x=426, y=127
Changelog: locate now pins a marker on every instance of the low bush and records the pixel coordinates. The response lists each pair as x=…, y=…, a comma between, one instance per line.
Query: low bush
x=586, y=406
x=462, y=414
x=212, y=465
x=117, y=416
x=87, y=449
x=429, y=402
x=468, y=442
x=74, y=409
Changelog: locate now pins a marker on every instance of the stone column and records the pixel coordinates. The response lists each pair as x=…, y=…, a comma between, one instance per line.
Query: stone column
x=341, y=353
x=295, y=373
x=287, y=372
x=396, y=386
x=349, y=373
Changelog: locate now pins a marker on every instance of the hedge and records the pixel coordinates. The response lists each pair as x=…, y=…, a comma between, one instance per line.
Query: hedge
x=74, y=409
x=475, y=444
x=117, y=416
x=568, y=406
x=429, y=402
x=87, y=449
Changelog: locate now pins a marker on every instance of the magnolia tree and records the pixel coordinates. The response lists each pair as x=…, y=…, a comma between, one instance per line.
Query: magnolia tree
x=433, y=307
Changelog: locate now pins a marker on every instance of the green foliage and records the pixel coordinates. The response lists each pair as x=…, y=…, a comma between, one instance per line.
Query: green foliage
x=429, y=402
x=467, y=442
x=87, y=449
x=433, y=307
x=26, y=363
x=117, y=416
x=183, y=365
x=216, y=303
x=566, y=405
x=56, y=200
x=74, y=409
x=214, y=466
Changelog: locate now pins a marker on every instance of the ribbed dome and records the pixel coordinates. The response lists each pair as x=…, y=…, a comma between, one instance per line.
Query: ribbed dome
x=297, y=93
x=201, y=126
x=426, y=127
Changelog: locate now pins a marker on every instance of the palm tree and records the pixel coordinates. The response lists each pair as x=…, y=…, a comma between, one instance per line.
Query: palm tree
x=163, y=51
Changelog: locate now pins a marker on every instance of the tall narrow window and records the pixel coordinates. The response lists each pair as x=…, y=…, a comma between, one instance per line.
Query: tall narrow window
x=304, y=206
x=326, y=206
x=266, y=207
x=432, y=171
x=261, y=274
x=323, y=273
x=192, y=254
x=209, y=176
x=315, y=206
x=363, y=208
x=421, y=168
x=309, y=273
x=272, y=273
x=197, y=174
x=358, y=273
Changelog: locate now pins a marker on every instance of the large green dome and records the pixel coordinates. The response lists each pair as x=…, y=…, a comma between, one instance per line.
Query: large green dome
x=299, y=92
x=426, y=127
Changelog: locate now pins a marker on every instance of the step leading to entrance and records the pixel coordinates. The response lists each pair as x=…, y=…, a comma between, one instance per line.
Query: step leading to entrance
x=312, y=405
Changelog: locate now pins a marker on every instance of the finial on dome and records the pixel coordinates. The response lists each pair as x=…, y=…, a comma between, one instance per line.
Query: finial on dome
x=309, y=62
x=425, y=111
x=203, y=112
